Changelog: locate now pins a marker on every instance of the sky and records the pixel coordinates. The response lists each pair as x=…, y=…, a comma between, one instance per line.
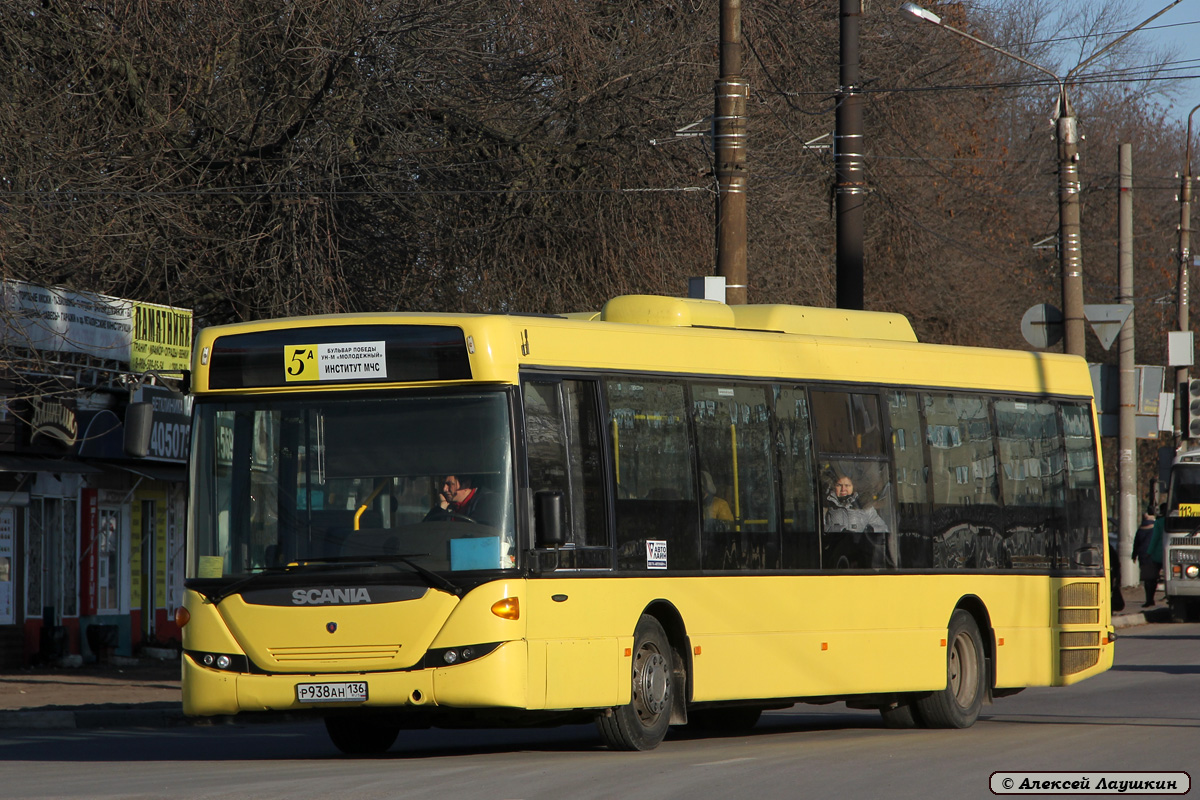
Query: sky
x=1181, y=27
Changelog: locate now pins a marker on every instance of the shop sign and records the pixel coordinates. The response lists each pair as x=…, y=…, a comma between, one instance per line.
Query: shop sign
x=54, y=420
x=90, y=565
x=172, y=426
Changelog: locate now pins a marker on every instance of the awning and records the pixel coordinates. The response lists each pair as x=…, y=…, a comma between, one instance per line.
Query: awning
x=32, y=464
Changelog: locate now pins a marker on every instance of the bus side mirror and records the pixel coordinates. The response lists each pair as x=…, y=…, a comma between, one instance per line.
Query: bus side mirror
x=1088, y=557
x=139, y=425
x=548, y=518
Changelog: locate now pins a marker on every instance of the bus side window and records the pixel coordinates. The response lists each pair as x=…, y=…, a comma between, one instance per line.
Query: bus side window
x=657, y=514
x=967, y=520
x=1032, y=480
x=737, y=482
x=1085, y=530
x=563, y=450
x=858, y=504
x=794, y=449
x=914, y=547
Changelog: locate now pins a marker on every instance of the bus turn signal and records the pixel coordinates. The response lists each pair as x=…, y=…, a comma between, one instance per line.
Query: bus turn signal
x=508, y=608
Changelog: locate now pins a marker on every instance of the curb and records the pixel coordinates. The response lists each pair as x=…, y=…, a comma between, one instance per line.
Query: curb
x=1141, y=617
x=167, y=716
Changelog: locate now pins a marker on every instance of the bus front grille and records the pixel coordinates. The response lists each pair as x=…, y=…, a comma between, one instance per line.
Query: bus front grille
x=334, y=655
x=1079, y=616
x=1079, y=639
x=1079, y=594
x=1072, y=661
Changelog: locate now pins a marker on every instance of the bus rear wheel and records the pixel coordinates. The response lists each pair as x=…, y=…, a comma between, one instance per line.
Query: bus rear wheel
x=361, y=736
x=642, y=723
x=958, y=705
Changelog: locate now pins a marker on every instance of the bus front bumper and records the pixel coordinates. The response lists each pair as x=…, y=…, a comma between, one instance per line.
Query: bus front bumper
x=498, y=679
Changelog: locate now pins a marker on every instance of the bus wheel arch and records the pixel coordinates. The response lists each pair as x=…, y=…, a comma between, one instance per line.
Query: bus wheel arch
x=672, y=622
x=958, y=705
x=658, y=675
x=975, y=607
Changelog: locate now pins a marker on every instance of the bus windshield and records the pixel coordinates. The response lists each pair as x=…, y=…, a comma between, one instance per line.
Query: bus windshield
x=351, y=481
x=1183, y=508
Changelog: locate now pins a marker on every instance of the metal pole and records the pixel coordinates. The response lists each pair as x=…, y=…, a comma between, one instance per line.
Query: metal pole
x=1127, y=481
x=729, y=144
x=851, y=188
x=1069, y=248
x=1183, y=290
x=1067, y=134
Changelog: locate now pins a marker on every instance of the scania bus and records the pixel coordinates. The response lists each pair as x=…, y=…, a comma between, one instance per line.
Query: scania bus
x=666, y=512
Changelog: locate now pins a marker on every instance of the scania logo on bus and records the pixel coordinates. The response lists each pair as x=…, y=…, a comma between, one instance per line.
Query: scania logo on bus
x=319, y=597
x=331, y=627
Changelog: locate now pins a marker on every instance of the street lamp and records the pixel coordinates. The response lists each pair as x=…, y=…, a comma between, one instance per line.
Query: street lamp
x=1067, y=135
x=1182, y=298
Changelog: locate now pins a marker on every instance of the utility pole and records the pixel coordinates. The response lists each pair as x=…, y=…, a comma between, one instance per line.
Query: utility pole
x=851, y=188
x=1069, y=239
x=1183, y=293
x=1127, y=496
x=1067, y=135
x=729, y=144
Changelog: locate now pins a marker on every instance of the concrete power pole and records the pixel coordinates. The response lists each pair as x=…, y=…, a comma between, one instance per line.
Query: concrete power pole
x=851, y=185
x=1183, y=298
x=729, y=144
x=1069, y=238
x=1127, y=480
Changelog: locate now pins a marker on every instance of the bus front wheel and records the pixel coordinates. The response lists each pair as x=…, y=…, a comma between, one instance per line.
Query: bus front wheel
x=957, y=706
x=642, y=723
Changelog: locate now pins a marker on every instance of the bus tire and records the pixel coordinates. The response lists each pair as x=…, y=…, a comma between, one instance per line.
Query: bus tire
x=642, y=723
x=900, y=715
x=361, y=736
x=728, y=720
x=957, y=706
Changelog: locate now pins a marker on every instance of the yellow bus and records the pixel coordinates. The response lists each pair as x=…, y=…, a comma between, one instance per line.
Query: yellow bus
x=667, y=512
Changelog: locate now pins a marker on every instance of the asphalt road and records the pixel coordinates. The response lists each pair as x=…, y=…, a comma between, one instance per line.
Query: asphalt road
x=1142, y=715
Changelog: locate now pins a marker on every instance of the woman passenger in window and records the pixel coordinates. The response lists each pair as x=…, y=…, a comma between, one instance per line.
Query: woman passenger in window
x=859, y=539
x=844, y=512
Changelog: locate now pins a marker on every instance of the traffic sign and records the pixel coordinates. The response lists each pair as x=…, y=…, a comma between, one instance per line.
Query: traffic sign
x=1042, y=325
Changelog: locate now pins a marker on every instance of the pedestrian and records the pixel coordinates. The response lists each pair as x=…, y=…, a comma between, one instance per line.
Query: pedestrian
x=1143, y=554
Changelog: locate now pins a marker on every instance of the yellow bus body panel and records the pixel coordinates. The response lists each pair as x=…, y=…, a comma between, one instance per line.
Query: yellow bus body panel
x=375, y=636
x=747, y=637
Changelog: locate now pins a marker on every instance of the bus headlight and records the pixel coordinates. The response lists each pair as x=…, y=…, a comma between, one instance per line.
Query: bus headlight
x=445, y=656
x=229, y=662
x=1192, y=571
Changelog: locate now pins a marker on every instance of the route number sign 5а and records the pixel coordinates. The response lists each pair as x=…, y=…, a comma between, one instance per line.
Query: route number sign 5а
x=339, y=361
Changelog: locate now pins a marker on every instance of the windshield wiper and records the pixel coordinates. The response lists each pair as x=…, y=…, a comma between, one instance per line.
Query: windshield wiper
x=336, y=562
x=435, y=580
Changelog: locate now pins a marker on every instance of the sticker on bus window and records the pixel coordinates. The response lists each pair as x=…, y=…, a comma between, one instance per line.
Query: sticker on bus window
x=1189, y=509
x=211, y=567
x=656, y=555
x=335, y=362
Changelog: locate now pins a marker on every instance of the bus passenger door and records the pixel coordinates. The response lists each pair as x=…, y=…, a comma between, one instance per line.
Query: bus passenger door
x=573, y=651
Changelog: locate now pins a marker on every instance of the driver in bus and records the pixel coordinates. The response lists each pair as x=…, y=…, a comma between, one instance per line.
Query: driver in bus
x=462, y=498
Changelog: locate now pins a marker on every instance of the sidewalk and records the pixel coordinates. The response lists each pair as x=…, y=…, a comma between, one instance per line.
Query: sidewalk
x=145, y=692
x=133, y=693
